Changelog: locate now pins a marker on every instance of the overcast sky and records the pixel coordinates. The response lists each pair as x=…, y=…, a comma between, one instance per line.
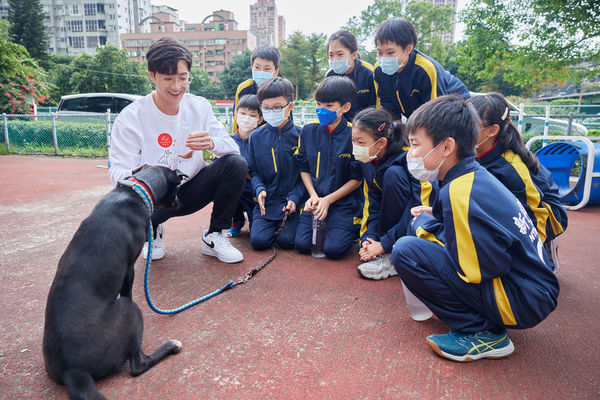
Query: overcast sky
x=308, y=16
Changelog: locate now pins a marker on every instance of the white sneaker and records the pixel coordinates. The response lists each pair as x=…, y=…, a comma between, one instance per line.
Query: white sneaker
x=158, y=246
x=554, y=254
x=379, y=268
x=217, y=245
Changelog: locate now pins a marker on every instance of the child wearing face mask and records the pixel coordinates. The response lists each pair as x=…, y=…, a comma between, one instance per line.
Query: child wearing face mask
x=265, y=65
x=500, y=149
x=476, y=261
x=344, y=60
x=404, y=77
x=276, y=182
x=329, y=172
x=248, y=115
x=390, y=190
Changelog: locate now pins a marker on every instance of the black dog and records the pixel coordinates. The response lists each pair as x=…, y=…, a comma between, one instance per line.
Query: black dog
x=89, y=331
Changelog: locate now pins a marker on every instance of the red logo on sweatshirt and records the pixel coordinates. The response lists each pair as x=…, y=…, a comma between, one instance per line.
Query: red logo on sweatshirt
x=165, y=140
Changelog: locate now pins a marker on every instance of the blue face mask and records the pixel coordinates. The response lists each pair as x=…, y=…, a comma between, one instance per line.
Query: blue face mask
x=389, y=65
x=326, y=116
x=274, y=118
x=261, y=76
x=340, y=67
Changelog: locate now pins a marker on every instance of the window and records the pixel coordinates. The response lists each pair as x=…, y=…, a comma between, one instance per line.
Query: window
x=76, y=42
x=101, y=24
x=75, y=9
x=220, y=41
x=102, y=40
x=91, y=26
x=120, y=104
x=75, y=26
x=98, y=104
x=76, y=104
x=100, y=8
x=90, y=9
x=92, y=42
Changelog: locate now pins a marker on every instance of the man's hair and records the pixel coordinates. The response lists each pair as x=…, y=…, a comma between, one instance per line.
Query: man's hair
x=448, y=116
x=164, y=54
x=268, y=53
x=250, y=101
x=396, y=30
x=275, y=87
x=335, y=88
x=346, y=39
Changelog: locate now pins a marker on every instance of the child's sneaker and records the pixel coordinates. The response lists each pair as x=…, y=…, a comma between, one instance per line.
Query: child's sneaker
x=217, y=245
x=158, y=246
x=469, y=346
x=236, y=228
x=379, y=268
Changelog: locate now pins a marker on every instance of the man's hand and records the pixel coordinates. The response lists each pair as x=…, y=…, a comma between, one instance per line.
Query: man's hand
x=291, y=206
x=199, y=140
x=261, y=201
x=415, y=211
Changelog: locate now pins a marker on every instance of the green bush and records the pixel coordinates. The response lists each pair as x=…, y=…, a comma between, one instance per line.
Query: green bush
x=594, y=132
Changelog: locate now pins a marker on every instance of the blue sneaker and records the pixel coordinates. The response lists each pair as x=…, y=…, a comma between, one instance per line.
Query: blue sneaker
x=236, y=228
x=469, y=346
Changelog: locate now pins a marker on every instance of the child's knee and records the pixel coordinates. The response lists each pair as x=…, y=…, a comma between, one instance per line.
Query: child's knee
x=259, y=242
x=335, y=251
x=302, y=245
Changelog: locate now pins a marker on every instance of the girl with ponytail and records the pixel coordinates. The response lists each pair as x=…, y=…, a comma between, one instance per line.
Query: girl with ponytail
x=390, y=190
x=500, y=149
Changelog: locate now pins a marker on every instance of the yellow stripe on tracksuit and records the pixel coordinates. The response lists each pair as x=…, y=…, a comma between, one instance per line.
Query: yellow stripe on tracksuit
x=274, y=162
x=378, y=100
x=426, y=189
x=423, y=234
x=429, y=68
x=534, y=199
x=460, y=196
x=372, y=69
x=318, y=162
x=241, y=86
x=504, y=308
x=365, y=216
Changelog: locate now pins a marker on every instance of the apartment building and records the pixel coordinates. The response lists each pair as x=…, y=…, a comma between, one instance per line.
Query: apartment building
x=80, y=26
x=267, y=26
x=213, y=42
x=447, y=36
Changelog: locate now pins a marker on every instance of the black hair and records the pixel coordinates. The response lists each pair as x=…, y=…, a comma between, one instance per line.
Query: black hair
x=268, y=53
x=396, y=30
x=250, y=101
x=494, y=109
x=275, y=87
x=379, y=123
x=346, y=38
x=335, y=88
x=164, y=54
x=448, y=116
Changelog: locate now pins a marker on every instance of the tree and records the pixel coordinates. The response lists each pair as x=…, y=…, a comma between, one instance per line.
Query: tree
x=59, y=73
x=429, y=20
x=238, y=70
x=26, y=19
x=295, y=63
x=22, y=81
x=317, y=54
x=202, y=86
x=536, y=42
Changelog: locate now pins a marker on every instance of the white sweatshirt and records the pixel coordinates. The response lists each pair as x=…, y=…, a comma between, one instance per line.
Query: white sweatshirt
x=142, y=134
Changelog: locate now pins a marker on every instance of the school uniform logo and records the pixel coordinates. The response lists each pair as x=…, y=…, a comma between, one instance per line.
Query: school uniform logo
x=345, y=155
x=414, y=91
x=363, y=91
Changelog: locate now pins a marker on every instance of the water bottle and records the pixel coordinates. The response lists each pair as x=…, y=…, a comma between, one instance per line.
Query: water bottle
x=417, y=310
x=318, y=238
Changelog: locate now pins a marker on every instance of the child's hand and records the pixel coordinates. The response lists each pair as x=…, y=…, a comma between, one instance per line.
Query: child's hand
x=311, y=203
x=322, y=208
x=364, y=255
x=261, y=201
x=373, y=247
x=291, y=206
x=415, y=211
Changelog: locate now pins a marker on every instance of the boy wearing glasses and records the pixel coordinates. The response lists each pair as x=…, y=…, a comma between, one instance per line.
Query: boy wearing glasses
x=275, y=177
x=172, y=128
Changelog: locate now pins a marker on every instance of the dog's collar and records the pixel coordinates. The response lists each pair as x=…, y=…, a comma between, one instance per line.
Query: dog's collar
x=142, y=190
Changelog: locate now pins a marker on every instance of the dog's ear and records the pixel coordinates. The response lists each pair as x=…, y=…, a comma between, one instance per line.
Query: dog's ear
x=140, y=168
x=181, y=175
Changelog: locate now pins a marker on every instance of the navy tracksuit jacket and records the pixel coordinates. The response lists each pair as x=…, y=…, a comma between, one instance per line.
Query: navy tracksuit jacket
x=247, y=201
x=537, y=192
x=390, y=191
x=327, y=157
x=362, y=76
x=273, y=169
x=421, y=80
x=490, y=271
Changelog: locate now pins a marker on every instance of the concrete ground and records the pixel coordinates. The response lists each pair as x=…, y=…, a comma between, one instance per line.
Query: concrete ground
x=302, y=328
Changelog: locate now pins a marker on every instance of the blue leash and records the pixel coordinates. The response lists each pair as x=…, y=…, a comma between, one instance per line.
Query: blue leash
x=145, y=196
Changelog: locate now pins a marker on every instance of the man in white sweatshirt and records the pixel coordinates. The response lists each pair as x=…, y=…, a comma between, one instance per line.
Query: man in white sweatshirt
x=170, y=127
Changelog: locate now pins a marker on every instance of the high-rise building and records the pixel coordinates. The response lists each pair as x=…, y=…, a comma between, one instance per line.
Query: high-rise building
x=79, y=26
x=213, y=42
x=447, y=36
x=4, y=9
x=268, y=27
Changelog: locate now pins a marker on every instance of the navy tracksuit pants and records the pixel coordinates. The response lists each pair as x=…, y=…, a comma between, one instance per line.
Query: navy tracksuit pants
x=427, y=271
x=262, y=234
x=338, y=236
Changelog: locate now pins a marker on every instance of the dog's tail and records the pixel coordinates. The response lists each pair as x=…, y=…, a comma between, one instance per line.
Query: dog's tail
x=80, y=385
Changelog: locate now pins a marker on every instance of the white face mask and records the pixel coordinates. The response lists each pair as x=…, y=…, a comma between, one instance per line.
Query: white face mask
x=361, y=153
x=416, y=166
x=247, y=122
x=477, y=146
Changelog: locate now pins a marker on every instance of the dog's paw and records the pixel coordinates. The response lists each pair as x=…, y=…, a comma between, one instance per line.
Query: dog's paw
x=176, y=345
